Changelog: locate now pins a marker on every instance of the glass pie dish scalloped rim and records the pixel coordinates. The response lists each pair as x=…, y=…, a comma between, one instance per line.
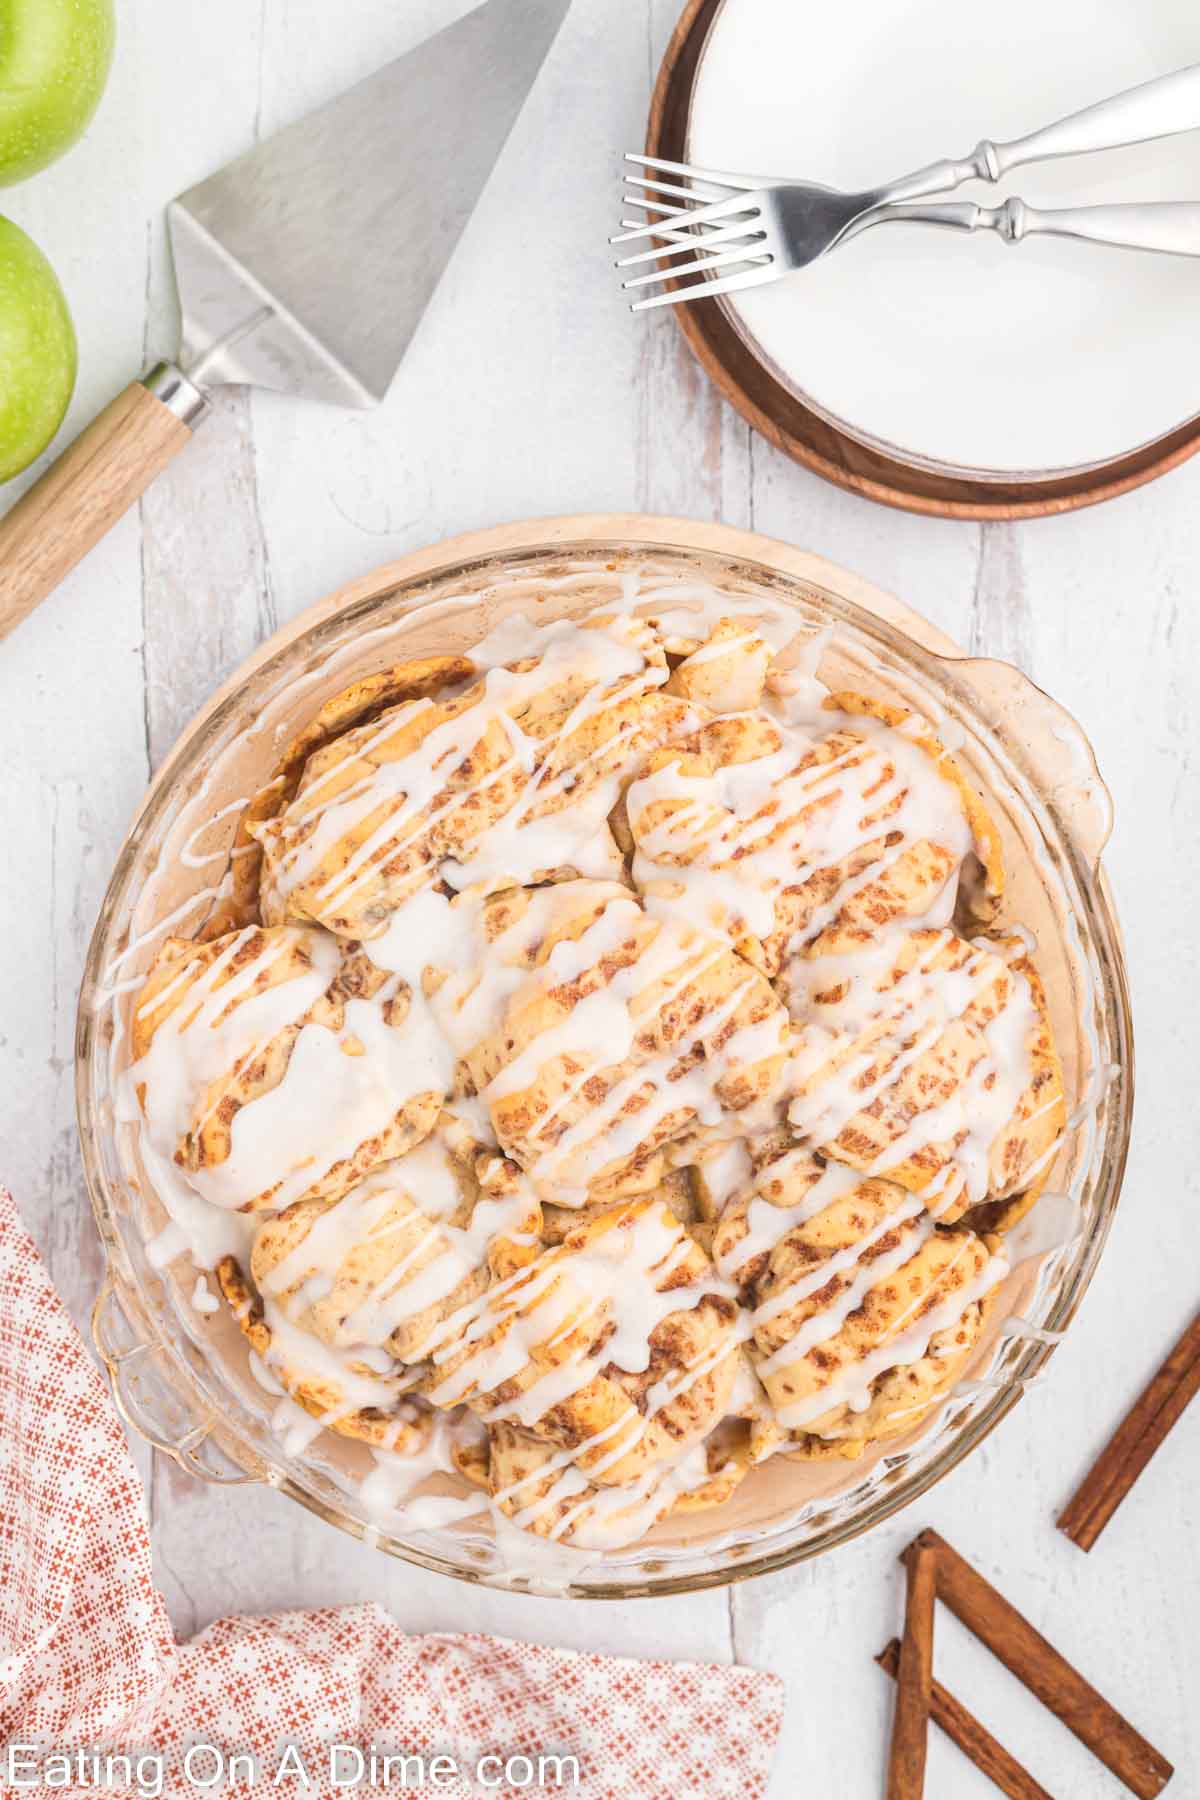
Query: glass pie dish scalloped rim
x=183, y=1378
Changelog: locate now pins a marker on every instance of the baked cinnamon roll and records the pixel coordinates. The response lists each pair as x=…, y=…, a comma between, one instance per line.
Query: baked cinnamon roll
x=364, y=699
x=511, y=780
x=275, y=1065
x=927, y=1059
x=771, y=831
x=617, y=1344
x=629, y=1038
x=343, y=1296
x=862, y=1310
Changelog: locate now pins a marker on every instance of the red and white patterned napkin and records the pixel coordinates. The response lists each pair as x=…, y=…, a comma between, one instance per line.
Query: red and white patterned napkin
x=88, y=1660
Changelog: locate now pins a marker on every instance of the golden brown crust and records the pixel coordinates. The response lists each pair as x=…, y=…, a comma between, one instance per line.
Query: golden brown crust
x=529, y=1483
x=843, y=1283
x=378, y=858
x=988, y=845
x=404, y=1430
x=729, y=674
x=904, y=1067
x=675, y=1190
x=872, y=884
x=387, y=1245
x=1022, y=1162
x=691, y=1015
x=556, y=1320
x=354, y=705
x=936, y=1267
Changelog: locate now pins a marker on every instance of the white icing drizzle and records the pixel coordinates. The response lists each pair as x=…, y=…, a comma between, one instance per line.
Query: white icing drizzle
x=340, y=1087
x=426, y=1175
x=767, y=1224
x=328, y=1103
x=600, y=1032
x=203, y=1300
x=140, y=942
x=726, y=845
x=534, y=832
x=191, y=857
x=614, y=1283
x=818, y=1328
x=207, y=1233
x=711, y=866
x=1016, y=1327
x=609, y=1518
x=851, y=1386
x=725, y=1172
x=390, y=1492
x=901, y=1020
x=222, y=1025
x=263, y=1375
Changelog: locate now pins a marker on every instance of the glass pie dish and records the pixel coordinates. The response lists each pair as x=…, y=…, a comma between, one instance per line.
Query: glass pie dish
x=182, y=1373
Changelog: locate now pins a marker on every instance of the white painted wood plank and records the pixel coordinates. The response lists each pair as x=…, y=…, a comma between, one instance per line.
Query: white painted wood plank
x=530, y=389
x=932, y=563
x=72, y=740
x=693, y=451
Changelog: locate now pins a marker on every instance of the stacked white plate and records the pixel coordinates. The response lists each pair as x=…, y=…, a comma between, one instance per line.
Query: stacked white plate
x=953, y=353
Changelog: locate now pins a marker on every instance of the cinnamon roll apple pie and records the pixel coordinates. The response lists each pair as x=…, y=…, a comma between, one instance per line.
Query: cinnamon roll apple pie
x=607, y=1069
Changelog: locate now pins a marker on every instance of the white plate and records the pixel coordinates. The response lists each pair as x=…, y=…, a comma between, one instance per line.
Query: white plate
x=963, y=352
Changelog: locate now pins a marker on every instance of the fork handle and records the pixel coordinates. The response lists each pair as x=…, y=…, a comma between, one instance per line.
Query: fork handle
x=1160, y=108
x=1169, y=226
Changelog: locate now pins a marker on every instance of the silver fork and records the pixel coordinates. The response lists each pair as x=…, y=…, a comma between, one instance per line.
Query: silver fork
x=748, y=230
x=1171, y=227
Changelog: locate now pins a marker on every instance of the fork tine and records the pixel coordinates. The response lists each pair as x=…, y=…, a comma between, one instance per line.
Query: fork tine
x=699, y=188
x=751, y=241
x=701, y=265
x=703, y=290
x=680, y=218
x=700, y=215
x=687, y=240
x=680, y=215
x=651, y=206
x=671, y=187
x=677, y=232
x=714, y=176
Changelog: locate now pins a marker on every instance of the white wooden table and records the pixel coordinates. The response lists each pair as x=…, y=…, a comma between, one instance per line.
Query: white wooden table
x=529, y=389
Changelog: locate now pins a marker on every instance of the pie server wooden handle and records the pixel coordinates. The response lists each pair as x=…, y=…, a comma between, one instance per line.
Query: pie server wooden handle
x=95, y=480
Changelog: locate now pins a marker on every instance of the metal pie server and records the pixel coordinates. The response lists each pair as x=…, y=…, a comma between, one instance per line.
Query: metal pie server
x=304, y=266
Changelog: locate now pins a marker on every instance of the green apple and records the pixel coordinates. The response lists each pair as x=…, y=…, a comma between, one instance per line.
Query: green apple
x=54, y=61
x=37, y=351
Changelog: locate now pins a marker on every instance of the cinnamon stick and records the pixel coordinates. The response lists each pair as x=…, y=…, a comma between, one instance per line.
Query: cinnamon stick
x=1134, y=1442
x=914, y=1683
x=972, y=1738
x=1039, y=1666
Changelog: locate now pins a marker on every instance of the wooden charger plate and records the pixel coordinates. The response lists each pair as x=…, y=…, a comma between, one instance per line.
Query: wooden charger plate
x=772, y=409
